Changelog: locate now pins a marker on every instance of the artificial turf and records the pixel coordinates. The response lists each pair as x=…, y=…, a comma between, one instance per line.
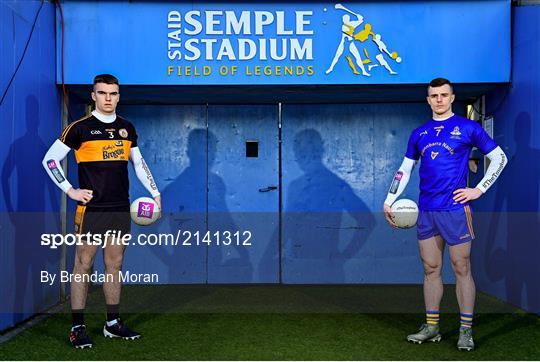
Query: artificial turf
x=279, y=323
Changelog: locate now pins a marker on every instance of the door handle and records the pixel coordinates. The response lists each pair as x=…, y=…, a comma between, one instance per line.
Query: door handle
x=269, y=188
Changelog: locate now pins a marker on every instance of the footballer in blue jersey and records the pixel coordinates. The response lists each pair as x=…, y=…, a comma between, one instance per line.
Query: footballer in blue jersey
x=442, y=145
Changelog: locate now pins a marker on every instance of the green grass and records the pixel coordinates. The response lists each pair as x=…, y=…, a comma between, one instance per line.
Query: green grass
x=278, y=322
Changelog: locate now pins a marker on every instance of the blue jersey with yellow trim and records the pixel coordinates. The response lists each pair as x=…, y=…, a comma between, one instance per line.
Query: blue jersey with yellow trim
x=443, y=148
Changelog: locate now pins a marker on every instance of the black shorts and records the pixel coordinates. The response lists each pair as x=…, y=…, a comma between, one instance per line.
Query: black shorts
x=99, y=220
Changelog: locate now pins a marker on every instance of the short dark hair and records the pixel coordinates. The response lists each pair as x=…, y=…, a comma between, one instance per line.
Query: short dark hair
x=106, y=78
x=439, y=82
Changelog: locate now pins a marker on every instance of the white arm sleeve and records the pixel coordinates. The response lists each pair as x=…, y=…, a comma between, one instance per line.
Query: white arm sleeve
x=143, y=172
x=498, y=161
x=401, y=178
x=51, y=163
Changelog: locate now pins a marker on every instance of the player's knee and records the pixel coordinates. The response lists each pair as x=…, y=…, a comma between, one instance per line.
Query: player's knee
x=84, y=263
x=462, y=267
x=432, y=269
x=113, y=264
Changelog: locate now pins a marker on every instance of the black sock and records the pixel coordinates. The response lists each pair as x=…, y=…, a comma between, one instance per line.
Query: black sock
x=113, y=311
x=77, y=317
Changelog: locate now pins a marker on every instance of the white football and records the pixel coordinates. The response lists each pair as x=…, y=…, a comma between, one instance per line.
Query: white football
x=405, y=213
x=144, y=211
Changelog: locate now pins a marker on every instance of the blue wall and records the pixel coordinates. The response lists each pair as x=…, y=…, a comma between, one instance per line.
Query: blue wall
x=507, y=253
x=337, y=162
x=30, y=121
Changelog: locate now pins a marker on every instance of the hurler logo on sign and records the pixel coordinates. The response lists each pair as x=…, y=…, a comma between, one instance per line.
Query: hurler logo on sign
x=371, y=43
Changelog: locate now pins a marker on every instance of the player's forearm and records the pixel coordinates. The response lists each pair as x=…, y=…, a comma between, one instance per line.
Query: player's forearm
x=143, y=172
x=51, y=163
x=401, y=178
x=498, y=161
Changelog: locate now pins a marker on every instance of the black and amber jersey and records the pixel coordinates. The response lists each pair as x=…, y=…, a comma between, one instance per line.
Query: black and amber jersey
x=102, y=154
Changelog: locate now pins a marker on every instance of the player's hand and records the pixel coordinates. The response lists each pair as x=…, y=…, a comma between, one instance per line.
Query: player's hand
x=466, y=194
x=82, y=195
x=389, y=216
x=157, y=199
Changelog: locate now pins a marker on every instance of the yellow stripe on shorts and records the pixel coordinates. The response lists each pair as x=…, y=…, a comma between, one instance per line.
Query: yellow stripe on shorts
x=468, y=214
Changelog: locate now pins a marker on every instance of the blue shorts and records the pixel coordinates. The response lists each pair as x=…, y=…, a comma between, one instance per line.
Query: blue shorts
x=454, y=226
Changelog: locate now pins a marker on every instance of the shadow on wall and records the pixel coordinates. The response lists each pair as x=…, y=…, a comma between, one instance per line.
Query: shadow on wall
x=28, y=217
x=518, y=262
x=185, y=212
x=325, y=223
x=190, y=212
x=231, y=263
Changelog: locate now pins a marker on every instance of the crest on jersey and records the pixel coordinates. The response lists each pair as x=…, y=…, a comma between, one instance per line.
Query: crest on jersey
x=434, y=154
x=123, y=132
x=456, y=133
